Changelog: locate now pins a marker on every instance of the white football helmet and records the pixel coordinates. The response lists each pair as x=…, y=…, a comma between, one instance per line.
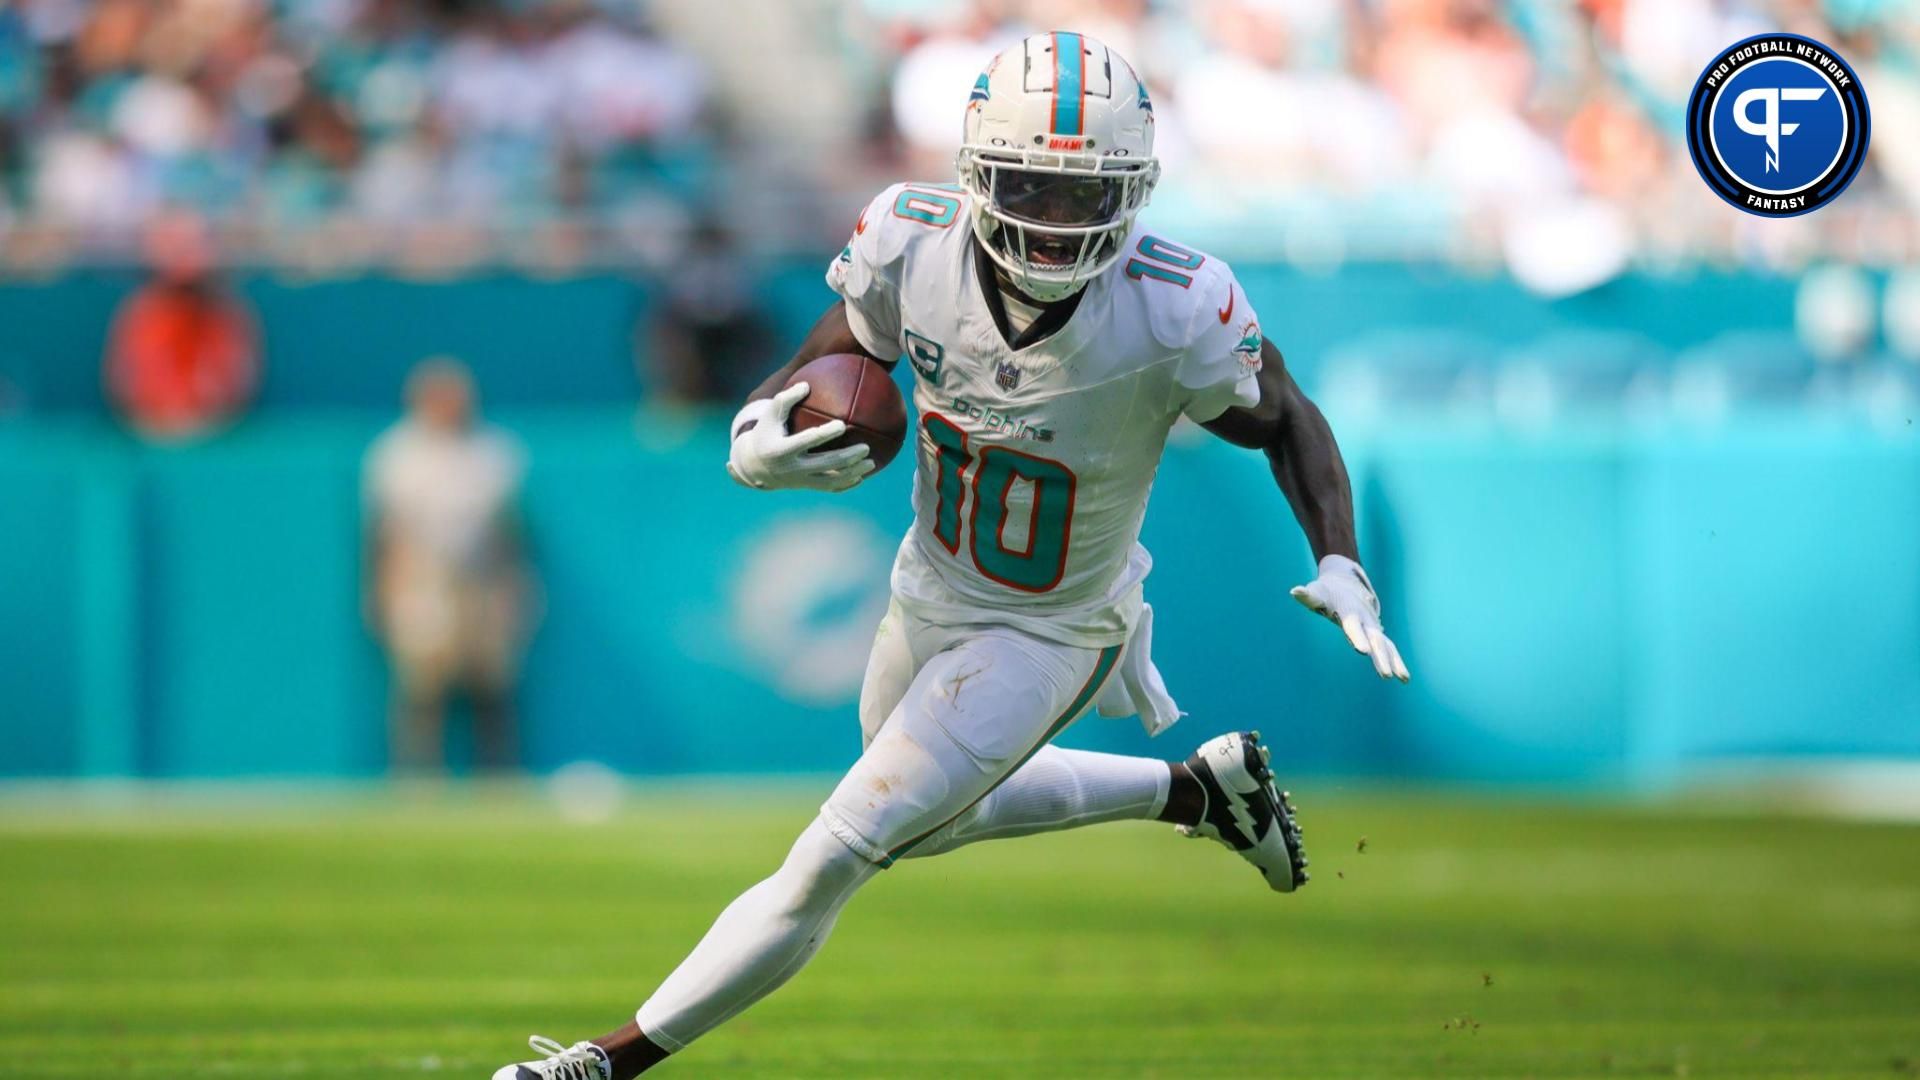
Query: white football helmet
x=1058, y=156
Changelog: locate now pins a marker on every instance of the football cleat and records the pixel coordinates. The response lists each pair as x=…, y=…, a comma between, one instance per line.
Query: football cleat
x=581, y=1061
x=1245, y=811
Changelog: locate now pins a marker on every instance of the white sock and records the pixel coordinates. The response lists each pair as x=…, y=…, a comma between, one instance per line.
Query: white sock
x=758, y=942
x=1060, y=789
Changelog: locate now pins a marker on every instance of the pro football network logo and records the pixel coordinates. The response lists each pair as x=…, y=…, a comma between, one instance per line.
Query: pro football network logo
x=1778, y=125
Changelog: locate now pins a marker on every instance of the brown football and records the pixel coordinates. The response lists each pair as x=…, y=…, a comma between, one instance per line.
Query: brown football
x=854, y=388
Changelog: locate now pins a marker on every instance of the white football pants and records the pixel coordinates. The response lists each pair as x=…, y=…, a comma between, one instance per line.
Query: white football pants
x=956, y=723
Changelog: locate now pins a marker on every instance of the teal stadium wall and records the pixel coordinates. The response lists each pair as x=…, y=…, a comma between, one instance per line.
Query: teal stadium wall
x=1602, y=601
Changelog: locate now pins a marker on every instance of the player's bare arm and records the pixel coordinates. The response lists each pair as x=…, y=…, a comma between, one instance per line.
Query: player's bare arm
x=831, y=334
x=1289, y=428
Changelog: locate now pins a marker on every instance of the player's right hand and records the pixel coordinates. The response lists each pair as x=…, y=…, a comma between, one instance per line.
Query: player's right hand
x=766, y=456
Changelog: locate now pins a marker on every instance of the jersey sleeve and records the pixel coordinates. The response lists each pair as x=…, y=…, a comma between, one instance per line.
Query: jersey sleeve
x=866, y=274
x=1220, y=366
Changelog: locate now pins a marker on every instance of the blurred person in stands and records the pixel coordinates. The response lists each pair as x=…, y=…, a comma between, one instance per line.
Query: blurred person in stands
x=708, y=333
x=448, y=583
x=184, y=354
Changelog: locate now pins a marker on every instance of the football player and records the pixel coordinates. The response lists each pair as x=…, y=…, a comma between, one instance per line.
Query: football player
x=1054, y=344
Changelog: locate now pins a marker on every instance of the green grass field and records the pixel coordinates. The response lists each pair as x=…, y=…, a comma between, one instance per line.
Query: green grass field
x=392, y=937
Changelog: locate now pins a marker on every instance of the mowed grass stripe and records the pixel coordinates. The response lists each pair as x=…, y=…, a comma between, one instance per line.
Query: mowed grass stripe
x=428, y=936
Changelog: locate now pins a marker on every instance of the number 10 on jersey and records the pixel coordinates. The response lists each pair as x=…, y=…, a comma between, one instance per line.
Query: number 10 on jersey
x=992, y=471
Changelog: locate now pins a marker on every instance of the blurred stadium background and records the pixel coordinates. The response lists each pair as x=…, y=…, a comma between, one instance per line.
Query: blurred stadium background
x=1638, y=478
x=1638, y=475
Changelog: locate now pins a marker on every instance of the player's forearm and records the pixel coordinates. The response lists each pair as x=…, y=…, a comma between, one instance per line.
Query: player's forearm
x=1306, y=462
x=830, y=334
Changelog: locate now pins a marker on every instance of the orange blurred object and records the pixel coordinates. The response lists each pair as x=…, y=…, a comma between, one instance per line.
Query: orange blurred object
x=182, y=359
x=184, y=354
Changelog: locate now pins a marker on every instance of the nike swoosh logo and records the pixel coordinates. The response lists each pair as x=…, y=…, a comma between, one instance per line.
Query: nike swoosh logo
x=1227, y=312
x=860, y=226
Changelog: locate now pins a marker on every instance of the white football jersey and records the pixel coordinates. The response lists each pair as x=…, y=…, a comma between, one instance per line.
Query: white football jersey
x=1033, y=465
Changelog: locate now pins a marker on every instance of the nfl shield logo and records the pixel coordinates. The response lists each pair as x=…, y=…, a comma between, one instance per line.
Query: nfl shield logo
x=1006, y=375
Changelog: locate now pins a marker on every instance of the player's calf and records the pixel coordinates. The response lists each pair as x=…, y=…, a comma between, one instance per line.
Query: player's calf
x=1240, y=807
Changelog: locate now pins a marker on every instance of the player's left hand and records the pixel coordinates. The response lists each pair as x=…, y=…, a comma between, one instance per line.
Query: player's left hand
x=1343, y=594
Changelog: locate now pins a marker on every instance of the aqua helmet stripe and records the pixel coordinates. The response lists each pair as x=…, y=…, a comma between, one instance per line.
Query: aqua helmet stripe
x=1069, y=83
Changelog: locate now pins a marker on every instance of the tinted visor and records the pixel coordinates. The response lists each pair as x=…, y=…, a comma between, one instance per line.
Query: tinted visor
x=1046, y=198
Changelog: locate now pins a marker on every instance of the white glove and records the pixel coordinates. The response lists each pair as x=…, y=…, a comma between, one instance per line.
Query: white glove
x=765, y=456
x=1343, y=594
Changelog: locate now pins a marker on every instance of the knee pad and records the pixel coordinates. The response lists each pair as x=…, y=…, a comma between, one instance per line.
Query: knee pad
x=820, y=867
x=891, y=795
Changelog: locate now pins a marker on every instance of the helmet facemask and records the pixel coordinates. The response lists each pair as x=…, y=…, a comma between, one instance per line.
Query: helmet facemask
x=1052, y=222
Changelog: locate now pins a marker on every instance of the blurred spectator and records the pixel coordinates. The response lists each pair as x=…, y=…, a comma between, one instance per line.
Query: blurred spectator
x=184, y=354
x=1545, y=136
x=1834, y=313
x=447, y=573
x=443, y=133
x=268, y=118
x=710, y=340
